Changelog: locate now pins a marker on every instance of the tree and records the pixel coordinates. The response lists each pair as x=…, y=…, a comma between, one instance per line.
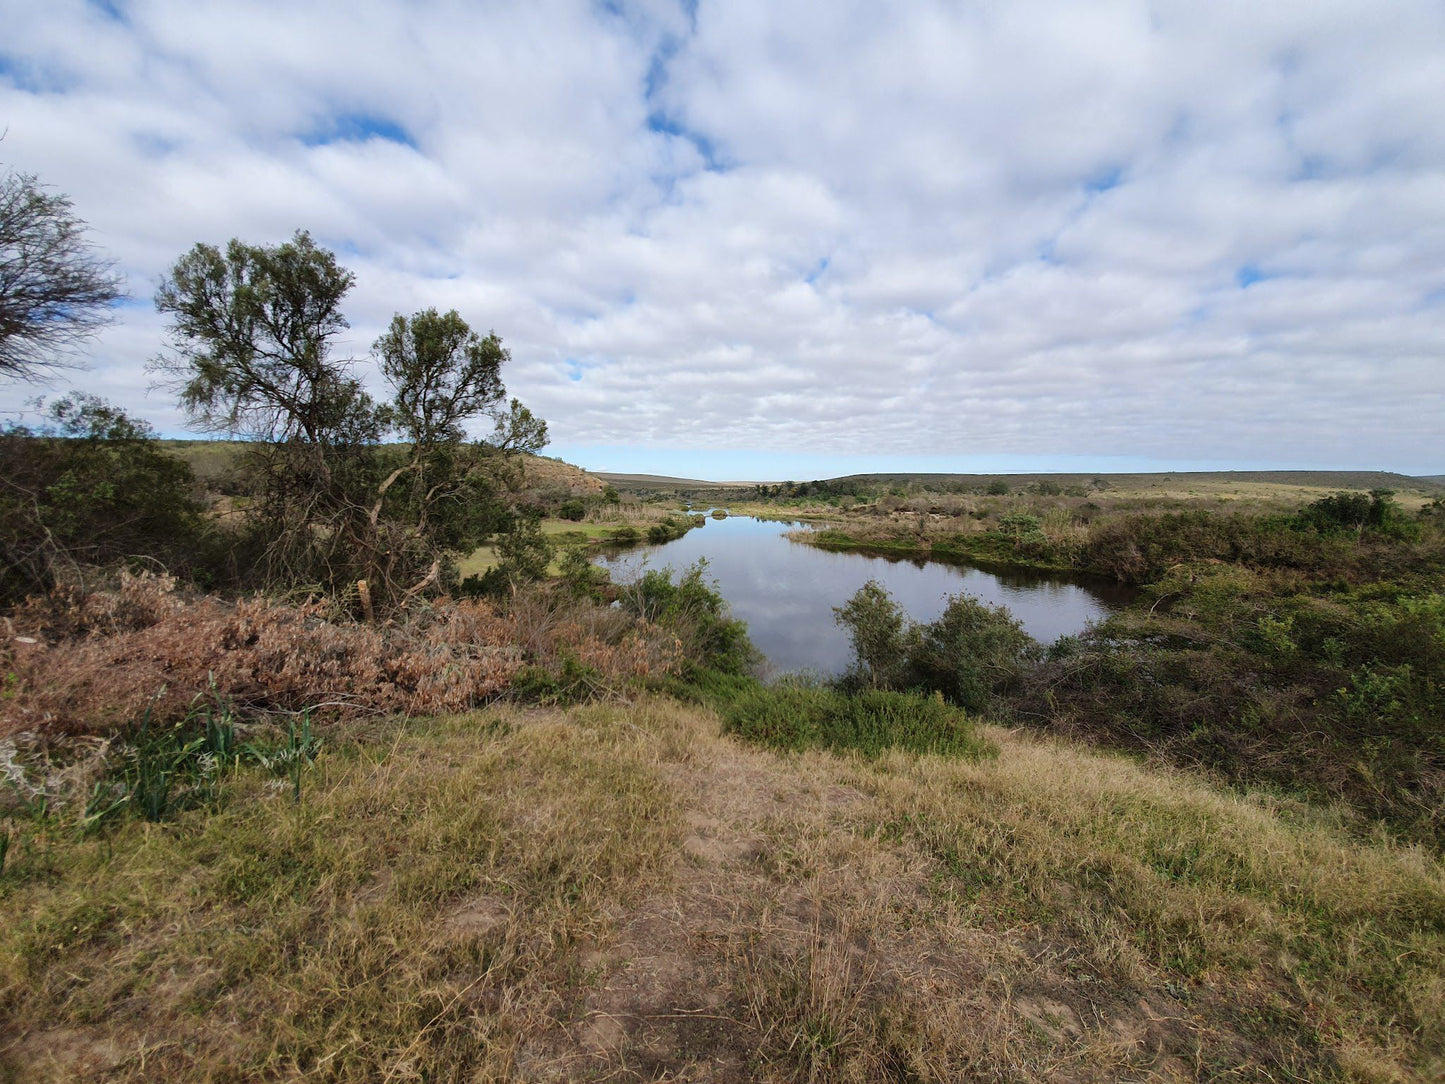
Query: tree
x=55, y=292
x=444, y=375
x=252, y=353
x=880, y=634
x=252, y=334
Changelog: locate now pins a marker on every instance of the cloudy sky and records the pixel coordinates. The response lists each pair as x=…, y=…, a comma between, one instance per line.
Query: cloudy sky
x=784, y=239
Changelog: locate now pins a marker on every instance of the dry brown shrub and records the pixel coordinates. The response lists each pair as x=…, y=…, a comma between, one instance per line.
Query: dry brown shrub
x=618, y=648
x=94, y=662
x=103, y=660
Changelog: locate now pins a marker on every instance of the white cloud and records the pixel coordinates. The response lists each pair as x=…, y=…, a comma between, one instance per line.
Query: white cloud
x=1170, y=230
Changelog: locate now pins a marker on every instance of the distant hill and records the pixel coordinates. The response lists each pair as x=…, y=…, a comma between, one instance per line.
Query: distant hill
x=1364, y=480
x=659, y=482
x=1172, y=481
x=212, y=459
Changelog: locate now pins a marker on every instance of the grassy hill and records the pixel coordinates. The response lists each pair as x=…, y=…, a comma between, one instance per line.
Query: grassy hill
x=211, y=460
x=621, y=892
x=654, y=482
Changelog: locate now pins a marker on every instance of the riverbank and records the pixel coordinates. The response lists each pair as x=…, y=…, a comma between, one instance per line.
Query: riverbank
x=622, y=891
x=985, y=550
x=626, y=529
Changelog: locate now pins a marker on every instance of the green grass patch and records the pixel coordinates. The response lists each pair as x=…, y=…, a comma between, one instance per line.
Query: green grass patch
x=798, y=716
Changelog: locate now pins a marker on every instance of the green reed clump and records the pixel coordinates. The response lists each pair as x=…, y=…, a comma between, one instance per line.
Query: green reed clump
x=161, y=772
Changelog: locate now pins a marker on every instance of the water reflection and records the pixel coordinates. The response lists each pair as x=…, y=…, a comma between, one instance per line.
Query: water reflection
x=786, y=590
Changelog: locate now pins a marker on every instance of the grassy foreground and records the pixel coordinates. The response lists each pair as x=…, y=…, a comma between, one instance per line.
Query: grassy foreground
x=621, y=892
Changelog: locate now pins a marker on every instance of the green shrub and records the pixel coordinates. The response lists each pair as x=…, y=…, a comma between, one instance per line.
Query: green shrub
x=573, y=510
x=696, y=613
x=580, y=576
x=972, y=652
x=1357, y=512
x=91, y=488
x=574, y=682
x=797, y=716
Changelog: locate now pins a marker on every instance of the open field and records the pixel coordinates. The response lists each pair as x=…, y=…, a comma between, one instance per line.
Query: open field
x=619, y=892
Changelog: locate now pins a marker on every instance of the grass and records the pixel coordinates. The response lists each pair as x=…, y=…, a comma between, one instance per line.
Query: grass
x=802, y=716
x=622, y=892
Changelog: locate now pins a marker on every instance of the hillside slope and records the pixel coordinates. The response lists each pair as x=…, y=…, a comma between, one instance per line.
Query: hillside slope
x=619, y=892
x=212, y=459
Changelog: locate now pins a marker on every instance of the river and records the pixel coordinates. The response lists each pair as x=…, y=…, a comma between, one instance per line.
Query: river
x=786, y=590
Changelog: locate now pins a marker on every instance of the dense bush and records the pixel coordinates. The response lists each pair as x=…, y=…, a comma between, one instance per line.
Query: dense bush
x=106, y=659
x=1334, y=693
x=91, y=487
x=971, y=653
x=708, y=635
x=1358, y=512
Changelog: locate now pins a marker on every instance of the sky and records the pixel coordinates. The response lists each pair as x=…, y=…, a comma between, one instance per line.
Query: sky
x=766, y=240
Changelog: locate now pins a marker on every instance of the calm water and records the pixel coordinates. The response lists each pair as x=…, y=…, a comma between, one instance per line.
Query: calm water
x=786, y=590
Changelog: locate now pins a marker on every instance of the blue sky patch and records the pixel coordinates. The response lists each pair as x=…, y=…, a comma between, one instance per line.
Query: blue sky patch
x=662, y=124
x=111, y=9
x=1105, y=179
x=1249, y=274
x=358, y=128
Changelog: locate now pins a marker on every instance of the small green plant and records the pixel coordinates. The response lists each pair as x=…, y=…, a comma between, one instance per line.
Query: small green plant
x=292, y=755
x=161, y=772
x=582, y=578
x=164, y=771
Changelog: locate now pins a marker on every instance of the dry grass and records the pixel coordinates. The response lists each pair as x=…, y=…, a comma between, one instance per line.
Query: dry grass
x=620, y=893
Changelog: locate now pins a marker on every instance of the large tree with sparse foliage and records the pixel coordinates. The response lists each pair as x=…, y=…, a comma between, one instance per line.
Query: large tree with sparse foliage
x=253, y=353
x=55, y=291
